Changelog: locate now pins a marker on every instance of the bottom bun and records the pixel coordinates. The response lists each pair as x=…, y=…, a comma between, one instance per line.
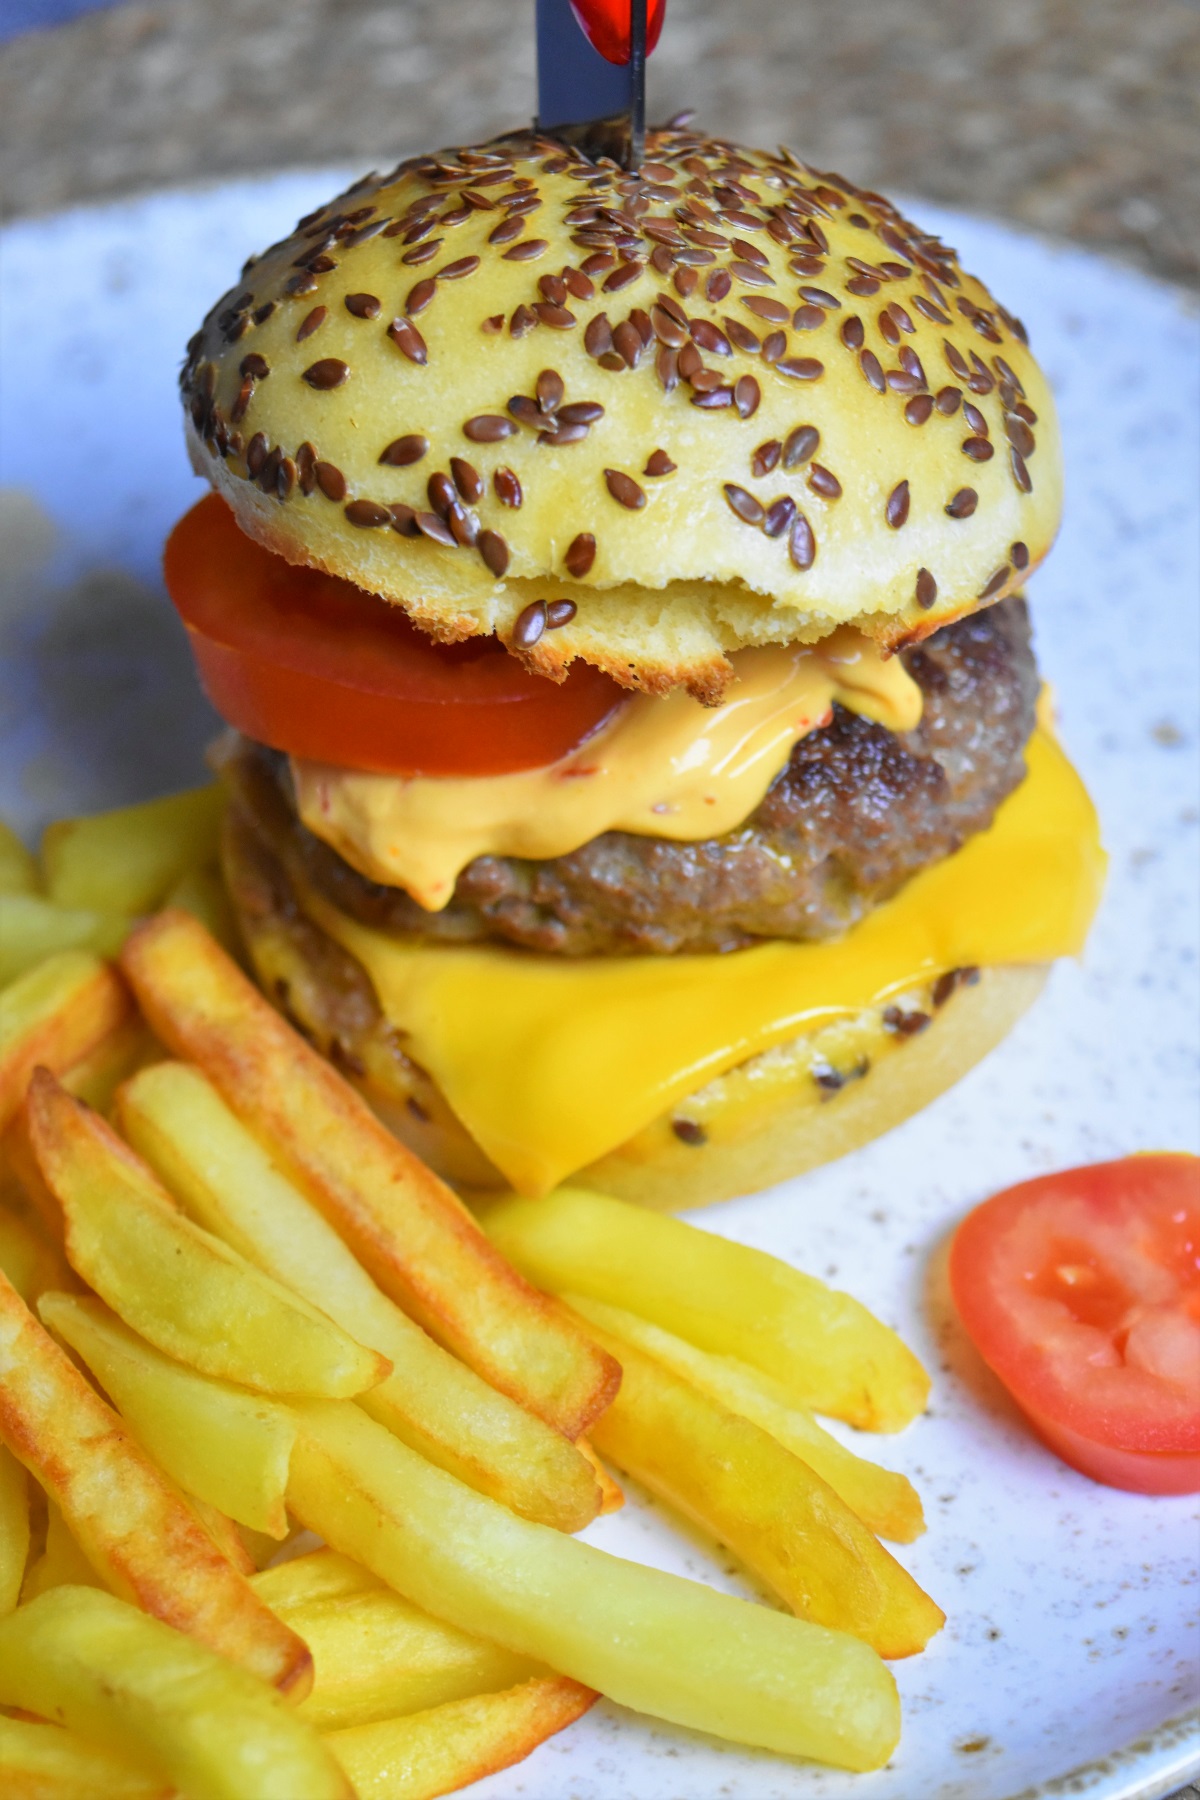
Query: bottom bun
x=779, y=1114
x=789, y=1129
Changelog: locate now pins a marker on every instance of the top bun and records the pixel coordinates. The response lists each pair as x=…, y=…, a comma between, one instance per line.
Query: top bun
x=728, y=401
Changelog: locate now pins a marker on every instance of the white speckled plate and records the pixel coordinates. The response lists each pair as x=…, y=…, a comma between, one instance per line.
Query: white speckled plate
x=1072, y=1609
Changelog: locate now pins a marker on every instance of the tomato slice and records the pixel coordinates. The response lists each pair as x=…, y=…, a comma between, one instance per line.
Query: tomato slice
x=1082, y=1293
x=315, y=666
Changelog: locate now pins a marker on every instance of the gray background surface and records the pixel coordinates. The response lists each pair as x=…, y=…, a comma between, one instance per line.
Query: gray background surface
x=1077, y=117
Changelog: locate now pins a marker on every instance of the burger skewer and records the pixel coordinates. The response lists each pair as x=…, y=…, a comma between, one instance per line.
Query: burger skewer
x=586, y=98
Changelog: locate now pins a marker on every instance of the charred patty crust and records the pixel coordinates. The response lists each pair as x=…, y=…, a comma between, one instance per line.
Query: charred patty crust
x=856, y=812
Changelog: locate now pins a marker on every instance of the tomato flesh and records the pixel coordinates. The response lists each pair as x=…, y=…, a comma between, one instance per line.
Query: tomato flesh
x=1082, y=1293
x=310, y=664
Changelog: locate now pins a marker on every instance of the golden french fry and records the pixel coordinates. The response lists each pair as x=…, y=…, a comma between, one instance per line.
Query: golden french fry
x=95, y=1078
x=450, y=1746
x=825, y=1350
x=27, y=1194
x=202, y=1152
x=31, y=1263
x=886, y=1502
x=223, y=1444
x=18, y=870
x=322, y=1574
x=166, y=1702
x=125, y=861
x=612, y=1495
x=227, y=1536
x=202, y=893
x=649, y=1640
x=174, y=1283
x=56, y=1014
x=376, y=1655
x=33, y=928
x=14, y=1529
x=44, y=1762
x=259, y=1549
x=133, y=1525
x=786, y=1523
x=409, y=1231
x=61, y=1563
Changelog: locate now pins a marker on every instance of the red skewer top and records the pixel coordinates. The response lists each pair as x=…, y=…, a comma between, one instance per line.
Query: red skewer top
x=608, y=27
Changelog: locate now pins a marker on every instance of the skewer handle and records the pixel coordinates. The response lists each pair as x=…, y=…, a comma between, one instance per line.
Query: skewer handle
x=584, y=99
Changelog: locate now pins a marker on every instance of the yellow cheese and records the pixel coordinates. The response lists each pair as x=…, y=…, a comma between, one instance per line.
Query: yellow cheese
x=550, y=1063
x=666, y=767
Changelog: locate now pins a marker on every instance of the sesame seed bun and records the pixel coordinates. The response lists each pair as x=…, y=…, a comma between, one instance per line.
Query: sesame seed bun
x=779, y=1114
x=735, y=401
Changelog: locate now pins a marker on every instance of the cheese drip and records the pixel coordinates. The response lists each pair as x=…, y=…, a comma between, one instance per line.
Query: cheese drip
x=550, y=1062
x=666, y=767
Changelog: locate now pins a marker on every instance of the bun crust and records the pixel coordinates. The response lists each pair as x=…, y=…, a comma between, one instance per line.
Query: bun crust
x=515, y=322
x=791, y=1134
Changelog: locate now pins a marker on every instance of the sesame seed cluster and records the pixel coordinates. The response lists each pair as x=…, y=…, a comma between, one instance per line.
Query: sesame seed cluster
x=641, y=418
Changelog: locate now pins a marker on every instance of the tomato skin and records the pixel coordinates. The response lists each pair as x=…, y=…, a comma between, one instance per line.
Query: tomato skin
x=1136, y=1471
x=1082, y=1293
x=314, y=666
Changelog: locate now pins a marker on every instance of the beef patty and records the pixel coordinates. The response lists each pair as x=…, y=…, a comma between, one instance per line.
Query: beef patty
x=855, y=813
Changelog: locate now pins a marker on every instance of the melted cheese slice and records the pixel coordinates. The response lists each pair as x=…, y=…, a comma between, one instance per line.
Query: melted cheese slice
x=665, y=767
x=550, y=1062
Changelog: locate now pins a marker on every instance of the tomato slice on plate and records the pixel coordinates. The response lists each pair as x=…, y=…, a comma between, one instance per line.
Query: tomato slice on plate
x=1082, y=1293
x=313, y=665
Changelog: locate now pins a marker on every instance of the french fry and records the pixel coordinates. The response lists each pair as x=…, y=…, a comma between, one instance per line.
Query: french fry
x=30, y=1262
x=259, y=1549
x=450, y=1746
x=774, y=1512
x=131, y=1522
x=61, y=1563
x=95, y=1078
x=175, y=1284
x=44, y=1762
x=649, y=1640
x=228, y=1447
x=226, y=1536
x=127, y=860
x=164, y=1701
x=825, y=1350
x=14, y=1529
x=322, y=1574
x=202, y=893
x=612, y=1496
x=56, y=1014
x=376, y=1655
x=408, y=1230
x=18, y=870
x=27, y=1193
x=203, y=1154
x=885, y=1502
x=33, y=928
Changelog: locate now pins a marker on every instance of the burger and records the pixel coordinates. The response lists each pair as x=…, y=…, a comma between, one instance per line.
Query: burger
x=613, y=581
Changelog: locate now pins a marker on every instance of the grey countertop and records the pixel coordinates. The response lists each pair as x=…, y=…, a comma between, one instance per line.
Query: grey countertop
x=1076, y=117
